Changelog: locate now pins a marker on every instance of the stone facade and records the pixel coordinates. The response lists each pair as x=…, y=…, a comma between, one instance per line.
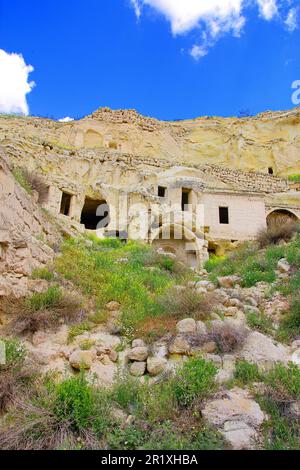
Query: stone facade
x=186, y=209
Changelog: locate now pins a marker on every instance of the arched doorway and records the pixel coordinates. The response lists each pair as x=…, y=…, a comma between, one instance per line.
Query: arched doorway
x=281, y=216
x=95, y=214
x=178, y=241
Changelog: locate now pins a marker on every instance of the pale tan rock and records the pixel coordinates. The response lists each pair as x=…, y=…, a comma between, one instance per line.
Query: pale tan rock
x=156, y=365
x=179, y=345
x=188, y=325
x=82, y=359
x=138, y=369
x=138, y=354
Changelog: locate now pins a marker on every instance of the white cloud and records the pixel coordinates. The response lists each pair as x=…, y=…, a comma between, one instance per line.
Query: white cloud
x=197, y=52
x=66, y=119
x=292, y=19
x=215, y=17
x=137, y=7
x=14, y=84
x=268, y=8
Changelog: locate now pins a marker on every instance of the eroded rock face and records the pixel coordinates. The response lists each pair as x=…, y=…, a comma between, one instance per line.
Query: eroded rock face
x=23, y=232
x=237, y=416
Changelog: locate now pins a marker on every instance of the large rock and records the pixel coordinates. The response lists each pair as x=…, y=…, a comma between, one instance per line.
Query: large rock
x=261, y=350
x=237, y=416
x=138, y=369
x=139, y=354
x=156, y=365
x=179, y=345
x=283, y=266
x=138, y=343
x=296, y=357
x=82, y=359
x=188, y=325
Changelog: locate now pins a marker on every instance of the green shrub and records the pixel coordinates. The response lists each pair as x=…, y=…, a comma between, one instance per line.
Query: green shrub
x=44, y=300
x=42, y=273
x=284, y=382
x=128, y=438
x=194, y=380
x=74, y=402
x=246, y=373
x=126, y=392
x=281, y=228
x=290, y=325
x=280, y=432
x=294, y=178
x=260, y=322
x=15, y=354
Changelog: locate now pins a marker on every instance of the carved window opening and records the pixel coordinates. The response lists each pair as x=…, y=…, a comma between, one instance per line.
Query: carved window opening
x=224, y=215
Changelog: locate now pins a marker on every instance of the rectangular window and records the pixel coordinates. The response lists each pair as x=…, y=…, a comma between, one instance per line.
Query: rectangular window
x=65, y=203
x=161, y=191
x=224, y=215
x=185, y=199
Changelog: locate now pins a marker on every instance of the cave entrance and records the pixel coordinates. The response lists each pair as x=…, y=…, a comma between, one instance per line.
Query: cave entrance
x=281, y=217
x=95, y=214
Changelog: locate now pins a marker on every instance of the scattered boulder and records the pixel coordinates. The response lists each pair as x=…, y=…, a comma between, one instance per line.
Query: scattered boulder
x=188, y=325
x=210, y=347
x=263, y=351
x=138, y=343
x=179, y=345
x=230, y=311
x=156, y=365
x=138, y=354
x=251, y=301
x=296, y=357
x=237, y=416
x=138, y=369
x=283, y=266
x=250, y=309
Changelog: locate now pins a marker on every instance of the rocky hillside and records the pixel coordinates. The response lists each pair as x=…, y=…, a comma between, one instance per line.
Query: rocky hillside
x=160, y=356
x=267, y=141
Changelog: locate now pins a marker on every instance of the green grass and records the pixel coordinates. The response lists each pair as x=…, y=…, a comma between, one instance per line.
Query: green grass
x=260, y=322
x=285, y=381
x=280, y=433
x=95, y=270
x=246, y=373
x=44, y=300
x=248, y=263
x=20, y=177
x=75, y=414
x=294, y=178
x=42, y=273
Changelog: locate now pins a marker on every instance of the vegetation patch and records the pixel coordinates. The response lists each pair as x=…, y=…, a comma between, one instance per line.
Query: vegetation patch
x=137, y=284
x=45, y=310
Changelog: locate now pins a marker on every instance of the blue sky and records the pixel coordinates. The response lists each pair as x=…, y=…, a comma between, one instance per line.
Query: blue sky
x=165, y=62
